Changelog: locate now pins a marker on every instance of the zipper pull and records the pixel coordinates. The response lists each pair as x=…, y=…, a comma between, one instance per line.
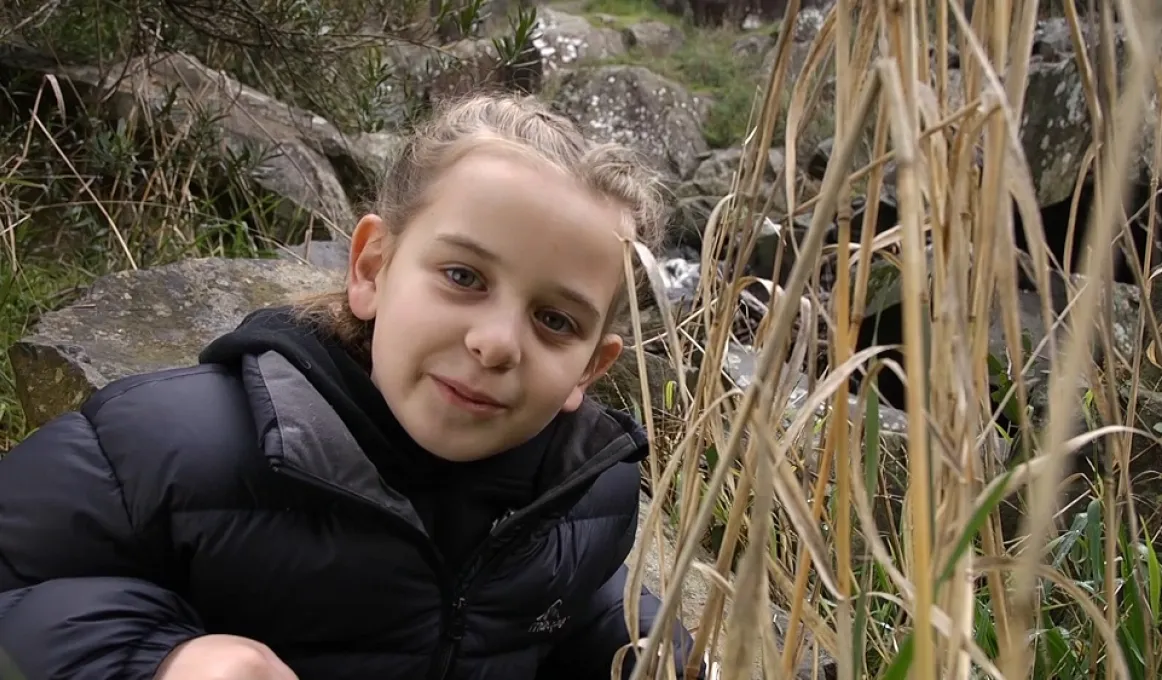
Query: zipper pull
x=500, y=520
x=456, y=620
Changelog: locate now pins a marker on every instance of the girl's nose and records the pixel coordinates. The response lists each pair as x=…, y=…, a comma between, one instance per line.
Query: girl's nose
x=495, y=342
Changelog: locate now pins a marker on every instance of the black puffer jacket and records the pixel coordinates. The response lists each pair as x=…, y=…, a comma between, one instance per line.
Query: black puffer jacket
x=266, y=493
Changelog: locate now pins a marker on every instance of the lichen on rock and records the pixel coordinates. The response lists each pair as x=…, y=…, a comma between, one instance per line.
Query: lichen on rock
x=139, y=321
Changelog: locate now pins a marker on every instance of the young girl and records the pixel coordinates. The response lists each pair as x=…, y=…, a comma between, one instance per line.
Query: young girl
x=402, y=480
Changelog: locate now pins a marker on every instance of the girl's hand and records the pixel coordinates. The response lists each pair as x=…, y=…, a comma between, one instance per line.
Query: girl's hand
x=223, y=657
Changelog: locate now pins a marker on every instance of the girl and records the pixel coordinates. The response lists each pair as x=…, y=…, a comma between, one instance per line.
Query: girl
x=402, y=480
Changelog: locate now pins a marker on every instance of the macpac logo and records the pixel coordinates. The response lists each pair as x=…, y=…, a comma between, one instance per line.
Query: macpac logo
x=550, y=621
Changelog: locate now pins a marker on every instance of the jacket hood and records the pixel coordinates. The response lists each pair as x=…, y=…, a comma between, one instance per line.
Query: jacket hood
x=318, y=413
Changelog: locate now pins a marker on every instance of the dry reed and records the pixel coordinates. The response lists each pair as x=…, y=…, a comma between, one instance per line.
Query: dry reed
x=799, y=509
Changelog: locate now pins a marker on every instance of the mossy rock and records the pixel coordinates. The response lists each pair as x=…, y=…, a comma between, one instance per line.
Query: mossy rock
x=139, y=321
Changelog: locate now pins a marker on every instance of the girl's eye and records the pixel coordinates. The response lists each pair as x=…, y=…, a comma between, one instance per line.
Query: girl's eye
x=462, y=277
x=557, y=323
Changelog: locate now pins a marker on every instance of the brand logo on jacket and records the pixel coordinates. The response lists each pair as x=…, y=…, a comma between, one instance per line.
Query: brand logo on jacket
x=550, y=621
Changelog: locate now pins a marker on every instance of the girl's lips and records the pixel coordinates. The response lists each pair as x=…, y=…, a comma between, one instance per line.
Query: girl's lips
x=467, y=398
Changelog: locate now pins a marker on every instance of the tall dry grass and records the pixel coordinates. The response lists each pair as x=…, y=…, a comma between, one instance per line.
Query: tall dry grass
x=947, y=595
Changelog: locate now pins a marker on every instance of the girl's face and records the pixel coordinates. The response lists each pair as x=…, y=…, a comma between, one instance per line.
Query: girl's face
x=489, y=313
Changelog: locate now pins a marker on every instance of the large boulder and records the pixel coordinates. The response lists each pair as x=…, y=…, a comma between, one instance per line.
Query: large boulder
x=712, y=180
x=565, y=40
x=139, y=321
x=1055, y=137
x=806, y=28
x=294, y=149
x=639, y=108
x=653, y=37
x=1146, y=387
x=331, y=255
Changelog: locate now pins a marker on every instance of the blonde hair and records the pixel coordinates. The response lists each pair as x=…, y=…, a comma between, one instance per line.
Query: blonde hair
x=516, y=123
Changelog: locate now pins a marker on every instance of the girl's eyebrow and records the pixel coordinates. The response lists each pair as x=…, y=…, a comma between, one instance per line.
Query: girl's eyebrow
x=579, y=300
x=478, y=249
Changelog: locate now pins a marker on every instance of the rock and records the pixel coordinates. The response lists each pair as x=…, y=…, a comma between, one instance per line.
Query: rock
x=696, y=591
x=689, y=215
x=620, y=388
x=820, y=158
x=809, y=21
x=715, y=174
x=1055, y=138
x=603, y=19
x=637, y=107
x=494, y=15
x=138, y=321
x=766, y=252
x=777, y=160
x=800, y=51
x=1053, y=40
x=653, y=37
x=329, y=255
x=805, y=30
x=1145, y=456
x=711, y=181
x=374, y=153
x=752, y=46
x=294, y=145
x=566, y=41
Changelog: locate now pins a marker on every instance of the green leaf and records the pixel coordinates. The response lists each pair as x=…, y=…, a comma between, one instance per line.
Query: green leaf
x=859, y=633
x=1133, y=629
x=979, y=517
x=1059, y=656
x=902, y=664
x=1093, y=537
x=712, y=458
x=1154, y=587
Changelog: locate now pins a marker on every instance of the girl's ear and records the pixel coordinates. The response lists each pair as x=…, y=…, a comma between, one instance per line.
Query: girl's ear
x=607, y=352
x=369, y=253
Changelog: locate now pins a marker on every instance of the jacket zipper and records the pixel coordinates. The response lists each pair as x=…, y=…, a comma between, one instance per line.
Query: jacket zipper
x=482, y=556
x=454, y=627
x=450, y=641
